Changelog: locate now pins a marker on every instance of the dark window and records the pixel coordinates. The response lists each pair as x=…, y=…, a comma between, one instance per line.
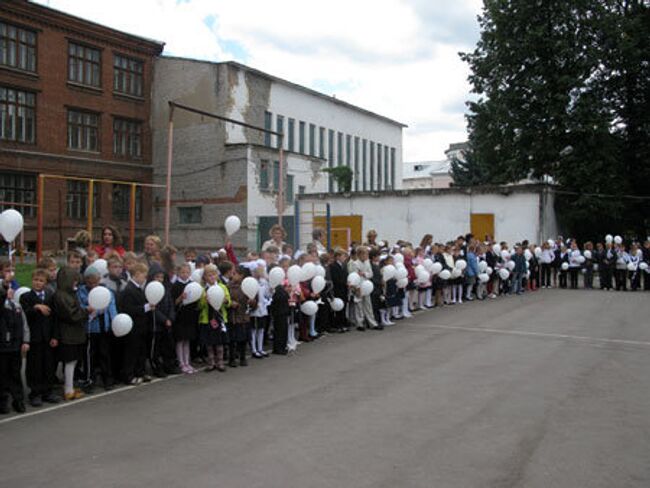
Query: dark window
x=372, y=166
x=17, y=47
x=379, y=154
x=83, y=131
x=276, y=175
x=288, y=192
x=392, y=168
x=364, y=166
x=128, y=76
x=127, y=138
x=189, y=215
x=77, y=200
x=330, y=159
x=18, y=188
x=301, y=137
x=339, y=147
x=301, y=189
x=356, y=164
x=321, y=142
x=292, y=135
x=279, y=127
x=386, y=169
x=312, y=140
x=268, y=125
x=84, y=65
x=348, y=150
x=264, y=175
x=122, y=202
x=17, y=115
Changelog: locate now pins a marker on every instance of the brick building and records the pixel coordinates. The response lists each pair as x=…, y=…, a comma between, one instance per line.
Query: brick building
x=75, y=101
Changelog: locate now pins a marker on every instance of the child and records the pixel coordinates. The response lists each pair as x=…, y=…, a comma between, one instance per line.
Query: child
x=129, y=260
x=622, y=258
x=280, y=311
x=49, y=264
x=98, y=352
x=160, y=340
x=37, y=306
x=74, y=260
x=212, y=327
x=339, y=275
x=389, y=292
x=239, y=316
x=114, y=280
x=134, y=303
x=519, y=271
x=546, y=263
x=471, y=272
x=362, y=308
x=574, y=264
x=187, y=319
x=7, y=275
x=70, y=330
x=564, y=258
x=14, y=340
x=260, y=314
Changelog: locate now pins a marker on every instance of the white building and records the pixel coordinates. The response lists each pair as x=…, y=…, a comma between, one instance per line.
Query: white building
x=222, y=169
x=433, y=174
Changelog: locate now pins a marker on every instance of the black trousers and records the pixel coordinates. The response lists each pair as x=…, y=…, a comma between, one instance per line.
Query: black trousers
x=646, y=280
x=620, y=275
x=589, y=277
x=635, y=279
x=160, y=349
x=563, y=278
x=573, y=275
x=546, y=274
x=605, y=274
x=39, y=370
x=10, y=381
x=135, y=354
x=98, y=358
x=280, y=333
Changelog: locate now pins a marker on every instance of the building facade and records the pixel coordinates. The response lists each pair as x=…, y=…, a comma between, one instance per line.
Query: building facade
x=75, y=101
x=220, y=169
x=427, y=174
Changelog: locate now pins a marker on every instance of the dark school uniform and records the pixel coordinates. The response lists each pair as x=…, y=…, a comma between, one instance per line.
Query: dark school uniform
x=280, y=311
x=133, y=303
x=187, y=316
x=13, y=334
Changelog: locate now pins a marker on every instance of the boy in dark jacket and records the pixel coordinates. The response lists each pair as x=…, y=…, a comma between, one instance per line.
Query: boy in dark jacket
x=37, y=306
x=159, y=337
x=14, y=339
x=280, y=312
x=134, y=303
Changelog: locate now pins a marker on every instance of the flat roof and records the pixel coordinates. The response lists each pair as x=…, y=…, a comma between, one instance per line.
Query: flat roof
x=302, y=88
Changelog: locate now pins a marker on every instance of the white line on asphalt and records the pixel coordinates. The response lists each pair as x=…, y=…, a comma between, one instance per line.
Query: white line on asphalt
x=540, y=334
x=65, y=404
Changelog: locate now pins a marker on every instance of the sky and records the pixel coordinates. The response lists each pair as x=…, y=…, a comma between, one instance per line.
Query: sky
x=398, y=58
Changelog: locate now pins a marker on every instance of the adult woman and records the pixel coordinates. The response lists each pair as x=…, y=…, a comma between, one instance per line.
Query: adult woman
x=277, y=236
x=111, y=242
x=152, y=247
x=317, y=240
x=371, y=237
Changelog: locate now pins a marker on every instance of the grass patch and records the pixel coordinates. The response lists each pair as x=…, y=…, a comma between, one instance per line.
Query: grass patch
x=24, y=274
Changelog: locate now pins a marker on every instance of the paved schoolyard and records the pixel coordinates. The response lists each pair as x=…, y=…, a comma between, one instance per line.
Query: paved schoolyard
x=550, y=389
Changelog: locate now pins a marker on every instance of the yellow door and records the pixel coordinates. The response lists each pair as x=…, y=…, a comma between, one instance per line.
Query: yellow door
x=482, y=226
x=345, y=229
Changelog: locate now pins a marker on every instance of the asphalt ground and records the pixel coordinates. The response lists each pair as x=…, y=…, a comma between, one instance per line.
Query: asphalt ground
x=548, y=389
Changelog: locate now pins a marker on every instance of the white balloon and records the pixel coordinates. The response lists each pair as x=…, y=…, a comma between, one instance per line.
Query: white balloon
x=538, y=252
x=510, y=265
x=232, y=224
x=101, y=265
x=99, y=298
x=17, y=294
x=11, y=223
x=596, y=267
x=436, y=268
x=121, y=325
x=294, y=273
x=643, y=266
x=565, y=266
x=483, y=278
x=154, y=292
x=504, y=274
x=308, y=271
x=250, y=287
x=420, y=269
x=482, y=266
x=276, y=276
x=609, y=238
x=505, y=255
x=197, y=275
x=456, y=273
x=428, y=264
x=317, y=284
x=401, y=273
x=580, y=259
x=618, y=239
x=528, y=255
x=424, y=277
x=216, y=296
x=388, y=272
x=320, y=271
x=366, y=288
x=354, y=279
x=337, y=304
x=551, y=242
x=398, y=258
x=631, y=267
x=445, y=274
x=402, y=283
x=489, y=271
x=496, y=249
x=309, y=308
x=587, y=254
x=192, y=292
x=461, y=264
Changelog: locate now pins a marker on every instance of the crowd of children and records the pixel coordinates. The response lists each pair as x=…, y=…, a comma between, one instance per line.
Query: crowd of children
x=368, y=286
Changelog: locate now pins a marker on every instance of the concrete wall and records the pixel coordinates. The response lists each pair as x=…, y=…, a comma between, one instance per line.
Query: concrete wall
x=446, y=213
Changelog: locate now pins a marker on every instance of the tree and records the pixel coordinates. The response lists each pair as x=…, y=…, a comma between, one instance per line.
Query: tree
x=343, y=177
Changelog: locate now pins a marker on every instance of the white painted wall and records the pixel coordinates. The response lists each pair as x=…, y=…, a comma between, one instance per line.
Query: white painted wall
x=446, y=216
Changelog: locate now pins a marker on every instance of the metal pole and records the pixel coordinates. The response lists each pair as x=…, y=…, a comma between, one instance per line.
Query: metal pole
x=132, y=218
x=296, y=224
x=168, y=191
x=39, y=217
x=328, y=223
x=281, y=182
x=91, y=189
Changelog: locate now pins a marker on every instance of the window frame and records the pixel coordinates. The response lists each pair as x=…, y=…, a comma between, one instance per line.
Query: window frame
x=25, y=193
x=129, y=74
x=84, y=60
x=83, y=112
x=18, y=43
x=81, y=192
x=182, y=210
x=129, y=136
x=18, y=107
x=119, y=200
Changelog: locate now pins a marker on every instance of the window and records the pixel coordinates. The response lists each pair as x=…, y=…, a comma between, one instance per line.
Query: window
x=83, y=131
x=330, y=163
x=379, y=166
x=321, y=142
x=17, y=47
x=17, y=116
x=84, y=65
x=127, y=75
x=392, y=168
x=339, y=147
x=122, y=202
x=189, y=215
x=356, y=164
x=348, y=150
x=127, y=138
x=386, y=166
x=364, y=165
x=288, y=192
x=18, y=188
x=301, y=137
x=372, y=166
x=276, y=175
x=301, y=189
x=292, y=135
x=279, y=127
x=264, y=175
x=77, y=200
x=268, y=125
x=312, y=140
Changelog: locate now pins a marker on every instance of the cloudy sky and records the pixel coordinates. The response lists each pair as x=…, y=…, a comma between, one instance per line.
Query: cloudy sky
x=398, y=58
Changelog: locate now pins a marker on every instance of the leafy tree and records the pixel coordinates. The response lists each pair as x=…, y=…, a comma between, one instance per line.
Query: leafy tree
x=343, y=177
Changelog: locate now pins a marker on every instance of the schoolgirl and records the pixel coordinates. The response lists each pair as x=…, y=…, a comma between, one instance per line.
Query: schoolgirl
x=575, y=263
x=607, y=266
x=563, y=266
x=260, y=315
x=546, y=263
x=457, y=282
x=448, y=264
x=239, y=317
x=212, y=327
x=635, y=258
x=185, y=327
x=622, y=258
x=588, y=266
